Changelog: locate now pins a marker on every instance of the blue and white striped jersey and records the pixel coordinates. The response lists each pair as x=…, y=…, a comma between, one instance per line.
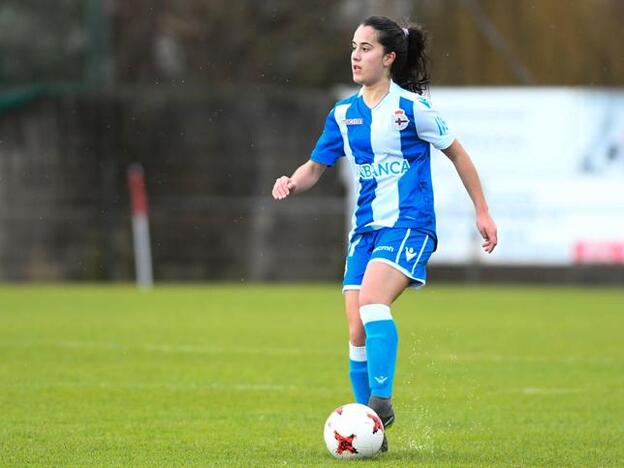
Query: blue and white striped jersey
x=390, y=148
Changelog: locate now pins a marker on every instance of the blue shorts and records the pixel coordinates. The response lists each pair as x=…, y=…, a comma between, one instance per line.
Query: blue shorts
x=404, y=249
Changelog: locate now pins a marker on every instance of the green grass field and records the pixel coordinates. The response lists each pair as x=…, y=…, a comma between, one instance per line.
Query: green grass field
x=246, y=375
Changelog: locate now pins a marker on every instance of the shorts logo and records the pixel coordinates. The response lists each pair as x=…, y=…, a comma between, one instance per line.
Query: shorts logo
x=353, y=121
x=400, y=120
x=410, y=253
x=387, y=248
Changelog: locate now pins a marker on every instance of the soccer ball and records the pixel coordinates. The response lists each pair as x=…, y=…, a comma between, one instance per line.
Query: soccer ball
x=353, y=431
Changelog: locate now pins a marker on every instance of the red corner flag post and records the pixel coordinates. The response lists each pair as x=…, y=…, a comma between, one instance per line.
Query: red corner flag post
x=140, y=227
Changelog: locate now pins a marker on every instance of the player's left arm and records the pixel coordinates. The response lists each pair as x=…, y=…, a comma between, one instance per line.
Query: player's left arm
x=470, y=178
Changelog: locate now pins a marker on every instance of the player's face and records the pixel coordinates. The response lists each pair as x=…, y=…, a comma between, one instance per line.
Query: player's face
x=369, y=63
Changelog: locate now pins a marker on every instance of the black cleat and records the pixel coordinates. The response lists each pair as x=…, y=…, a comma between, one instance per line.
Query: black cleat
x=384, y=444
x=383, y=408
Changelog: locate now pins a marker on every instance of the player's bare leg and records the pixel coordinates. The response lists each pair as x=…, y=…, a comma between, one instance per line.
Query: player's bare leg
x=357, y=336
x=382, y=284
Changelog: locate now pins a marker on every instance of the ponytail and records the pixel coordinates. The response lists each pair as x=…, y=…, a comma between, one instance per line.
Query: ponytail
x=414, y=75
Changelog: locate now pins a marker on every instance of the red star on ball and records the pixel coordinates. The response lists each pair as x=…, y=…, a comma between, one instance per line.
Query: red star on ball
x=345, y=444
x=378, y=425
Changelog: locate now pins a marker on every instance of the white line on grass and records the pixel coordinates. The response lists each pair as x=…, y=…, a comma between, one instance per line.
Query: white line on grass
x=243, y=387
x=175, y=349
x=496, y=358
x=549, y=391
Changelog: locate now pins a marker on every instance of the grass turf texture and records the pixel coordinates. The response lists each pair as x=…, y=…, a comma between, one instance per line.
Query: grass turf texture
x=245, y=376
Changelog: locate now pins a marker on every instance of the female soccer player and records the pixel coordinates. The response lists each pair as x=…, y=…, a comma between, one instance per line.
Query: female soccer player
x=386, y=130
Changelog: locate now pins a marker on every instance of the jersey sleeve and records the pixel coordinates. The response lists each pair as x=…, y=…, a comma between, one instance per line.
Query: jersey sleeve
x=431, y=126
x=329, y=147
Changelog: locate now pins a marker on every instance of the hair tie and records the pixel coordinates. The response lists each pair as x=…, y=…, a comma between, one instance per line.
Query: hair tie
x=405, y=31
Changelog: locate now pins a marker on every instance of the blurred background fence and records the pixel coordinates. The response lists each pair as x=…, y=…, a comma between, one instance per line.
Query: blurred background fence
x=216, y=99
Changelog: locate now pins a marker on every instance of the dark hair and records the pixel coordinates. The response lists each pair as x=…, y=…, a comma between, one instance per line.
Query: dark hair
x=409, y=69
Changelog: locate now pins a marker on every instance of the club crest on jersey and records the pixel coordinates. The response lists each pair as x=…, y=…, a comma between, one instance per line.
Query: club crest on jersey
x=400, y=120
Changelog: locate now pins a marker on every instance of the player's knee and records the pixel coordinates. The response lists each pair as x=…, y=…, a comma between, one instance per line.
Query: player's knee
x=357, y=336
x=368, y=298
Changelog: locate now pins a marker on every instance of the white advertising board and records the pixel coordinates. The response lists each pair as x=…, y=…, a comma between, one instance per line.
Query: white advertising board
x=551, y=161
x=552, y=164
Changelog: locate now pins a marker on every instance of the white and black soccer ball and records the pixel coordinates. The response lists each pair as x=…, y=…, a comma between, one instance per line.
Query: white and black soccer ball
x=353, y=431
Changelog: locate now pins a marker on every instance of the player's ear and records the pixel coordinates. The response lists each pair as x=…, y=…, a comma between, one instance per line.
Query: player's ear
x=388, y=59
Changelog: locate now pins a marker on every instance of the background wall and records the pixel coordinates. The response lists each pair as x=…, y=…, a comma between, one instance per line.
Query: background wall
x=210, y=159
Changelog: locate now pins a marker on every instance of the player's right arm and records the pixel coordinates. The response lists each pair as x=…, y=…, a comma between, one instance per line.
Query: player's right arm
x=328, y=149
x=302, y=179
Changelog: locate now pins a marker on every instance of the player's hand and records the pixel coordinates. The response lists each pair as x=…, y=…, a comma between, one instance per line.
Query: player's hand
x=487, y=228
x=283, y=187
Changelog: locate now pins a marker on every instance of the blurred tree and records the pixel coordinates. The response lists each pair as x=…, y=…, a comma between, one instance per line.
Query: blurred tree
x=38, y=42
x=235, y=41
x=559, y=42
x=473, y=42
